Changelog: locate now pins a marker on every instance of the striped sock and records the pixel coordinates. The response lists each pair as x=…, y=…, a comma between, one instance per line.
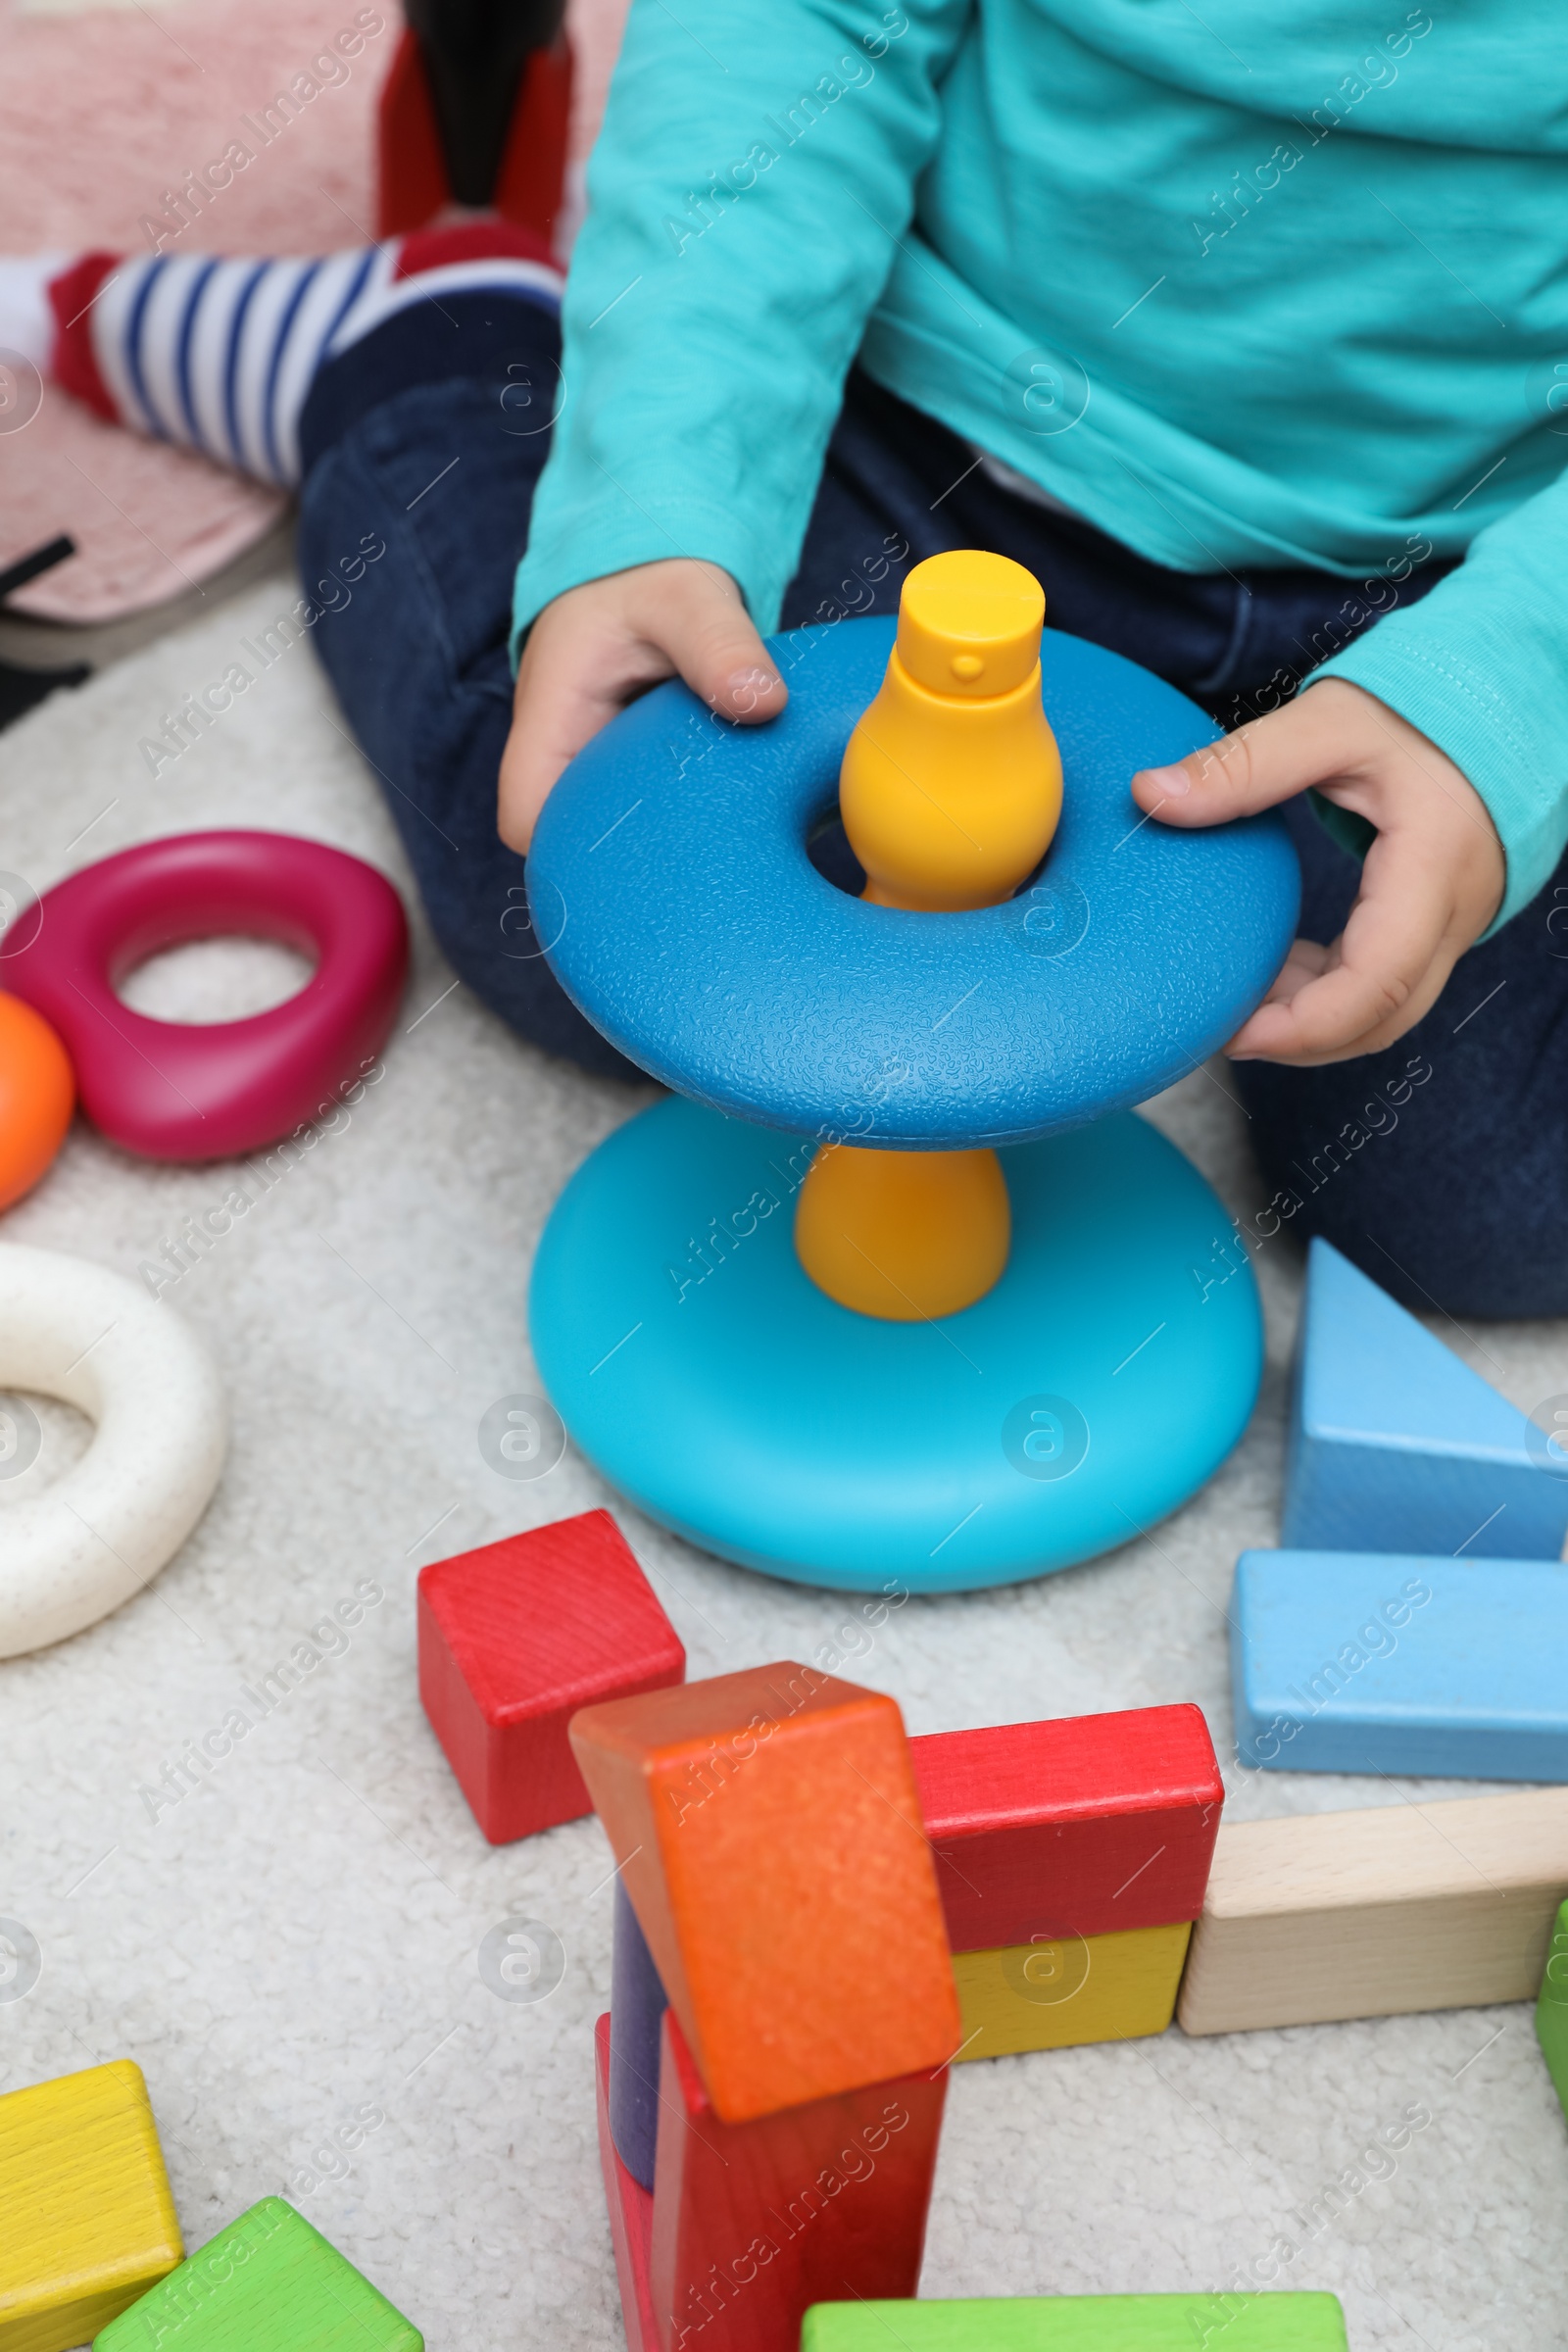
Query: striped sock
x=220, y=355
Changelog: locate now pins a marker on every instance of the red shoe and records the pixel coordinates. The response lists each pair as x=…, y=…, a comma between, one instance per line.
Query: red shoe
x=415, y=172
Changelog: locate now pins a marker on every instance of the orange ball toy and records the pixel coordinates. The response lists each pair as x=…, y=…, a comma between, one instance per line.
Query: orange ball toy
x=37, y=1094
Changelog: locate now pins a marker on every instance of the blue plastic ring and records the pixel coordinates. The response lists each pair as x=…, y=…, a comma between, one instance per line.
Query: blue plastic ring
x=670, y=877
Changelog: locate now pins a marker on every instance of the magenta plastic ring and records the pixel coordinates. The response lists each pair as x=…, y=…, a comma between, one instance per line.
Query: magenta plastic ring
x=168, y=1090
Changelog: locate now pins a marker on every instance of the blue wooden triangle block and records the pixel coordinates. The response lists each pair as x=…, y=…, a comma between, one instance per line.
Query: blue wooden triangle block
x=1396, y=1445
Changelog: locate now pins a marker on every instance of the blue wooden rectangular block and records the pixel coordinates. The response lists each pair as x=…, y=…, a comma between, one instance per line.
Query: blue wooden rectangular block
x=1396, y=1445
x=1347, y=1661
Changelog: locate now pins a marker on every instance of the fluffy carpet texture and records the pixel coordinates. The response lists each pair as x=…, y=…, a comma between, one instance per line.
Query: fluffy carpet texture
x=154, y=92
x=301, y=1938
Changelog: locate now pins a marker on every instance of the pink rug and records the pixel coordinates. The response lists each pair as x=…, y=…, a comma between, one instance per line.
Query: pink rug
x=103, y=109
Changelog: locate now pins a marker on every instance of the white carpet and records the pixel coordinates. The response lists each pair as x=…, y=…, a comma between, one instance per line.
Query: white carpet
x=297, y=1939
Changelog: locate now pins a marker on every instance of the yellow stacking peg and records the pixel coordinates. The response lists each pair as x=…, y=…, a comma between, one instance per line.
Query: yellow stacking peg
x=903, y=1235
x=951, y=786
x=949, y=794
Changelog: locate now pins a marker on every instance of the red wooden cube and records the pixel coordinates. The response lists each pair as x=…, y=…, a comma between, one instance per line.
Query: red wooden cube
x=514, y=1639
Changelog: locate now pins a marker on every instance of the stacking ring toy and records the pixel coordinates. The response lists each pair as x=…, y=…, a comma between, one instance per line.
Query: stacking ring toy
x=691, y=927
x=77, y=1550
x=37, y=1093
x=1113, y=1363
x=168, y=1090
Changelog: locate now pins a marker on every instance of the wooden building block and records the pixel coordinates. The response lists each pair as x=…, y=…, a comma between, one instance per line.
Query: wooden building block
x=1372, y=1914
x=1353, y=1662
x=1088, y=1825
x=267, y=2284
x=514, y=1639
x=755, y=2222
x=1551, y=2009
x=631, y=2215
x=1396, y=1445
x=1228, y=2323
x=88, y=2222
x=637, y=2008
x=769, y=1838
x=1054, y=1993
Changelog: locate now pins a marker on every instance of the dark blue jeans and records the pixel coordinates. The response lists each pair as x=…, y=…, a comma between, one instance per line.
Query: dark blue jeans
x=1440, y=1166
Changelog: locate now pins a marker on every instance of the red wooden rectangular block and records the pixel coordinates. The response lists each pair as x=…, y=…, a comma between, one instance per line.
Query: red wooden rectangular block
x=1085, y=1824
x=631, y=2217
x=753, y=2223
x=514, y=1639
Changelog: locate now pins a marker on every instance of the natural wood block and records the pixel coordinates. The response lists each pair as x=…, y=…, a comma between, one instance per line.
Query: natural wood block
x=755, y=2222
x=1054, y=1993
x=1551, y=2009
x=1228, y=2323
x=631, y=2216
x=1372, y=1914
x=86, y=2217
x=1085, y=1824
x=769, y=1838
x=514, y=1639
x=267, y=2284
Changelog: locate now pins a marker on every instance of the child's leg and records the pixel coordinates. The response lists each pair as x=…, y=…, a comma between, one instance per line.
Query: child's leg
x=423, y=446
x=412, y=386
x=222, y=355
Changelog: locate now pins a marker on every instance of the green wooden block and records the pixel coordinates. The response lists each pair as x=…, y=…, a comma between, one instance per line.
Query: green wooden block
x=267, y=2284
x=1224, y=2322
x=1551, y=2010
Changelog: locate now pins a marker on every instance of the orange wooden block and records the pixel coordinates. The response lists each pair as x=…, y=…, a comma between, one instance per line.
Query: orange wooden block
x=769, y=1836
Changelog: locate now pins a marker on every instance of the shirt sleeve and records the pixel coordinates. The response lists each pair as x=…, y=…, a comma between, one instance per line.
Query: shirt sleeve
x=753, y=179
x=1481, y=666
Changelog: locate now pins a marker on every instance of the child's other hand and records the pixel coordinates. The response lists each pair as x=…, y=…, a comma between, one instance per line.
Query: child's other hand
x=600, y=646
x=1432, y=882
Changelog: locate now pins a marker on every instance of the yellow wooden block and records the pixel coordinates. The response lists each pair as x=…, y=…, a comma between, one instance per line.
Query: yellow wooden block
x=1049, y=1995
x=87, y=2222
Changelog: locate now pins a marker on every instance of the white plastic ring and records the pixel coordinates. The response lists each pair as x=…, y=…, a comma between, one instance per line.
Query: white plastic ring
x=73, y=1551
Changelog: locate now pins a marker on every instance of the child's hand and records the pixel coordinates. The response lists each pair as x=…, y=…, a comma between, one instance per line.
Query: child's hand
x=1433, y=880
x=600, y=646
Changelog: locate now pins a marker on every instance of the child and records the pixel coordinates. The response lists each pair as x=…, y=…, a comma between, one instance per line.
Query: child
x=1239, y=334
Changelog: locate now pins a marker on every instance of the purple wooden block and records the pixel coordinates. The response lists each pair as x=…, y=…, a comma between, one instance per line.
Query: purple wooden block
x=637, y=2005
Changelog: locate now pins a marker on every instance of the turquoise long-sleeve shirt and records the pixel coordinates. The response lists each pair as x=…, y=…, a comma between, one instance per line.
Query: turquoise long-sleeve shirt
x=1249, y=286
